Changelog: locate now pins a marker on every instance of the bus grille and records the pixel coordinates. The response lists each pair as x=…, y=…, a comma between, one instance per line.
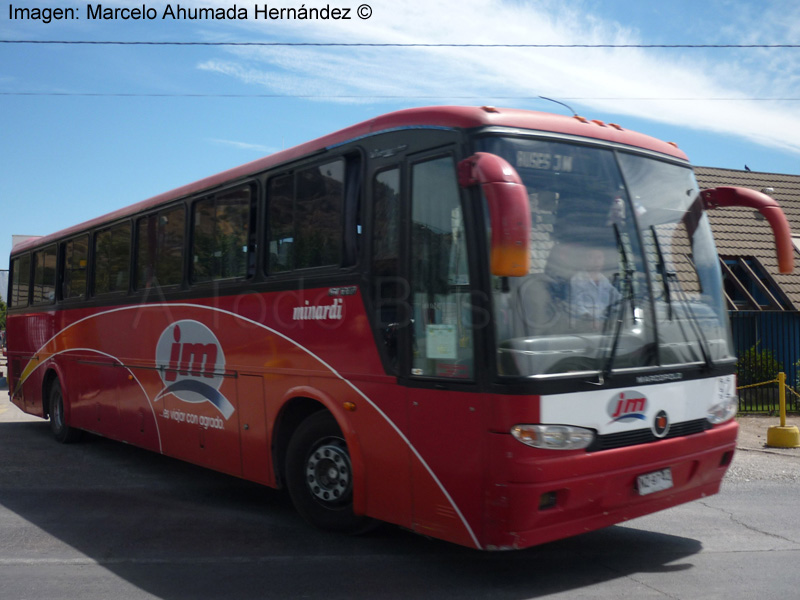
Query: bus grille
x=646, y=436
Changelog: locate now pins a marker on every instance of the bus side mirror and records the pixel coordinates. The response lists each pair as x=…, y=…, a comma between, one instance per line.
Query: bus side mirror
x=736, y=196
x=509, y=211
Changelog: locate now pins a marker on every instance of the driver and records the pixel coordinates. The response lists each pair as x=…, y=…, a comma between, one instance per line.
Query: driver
x=591, y=293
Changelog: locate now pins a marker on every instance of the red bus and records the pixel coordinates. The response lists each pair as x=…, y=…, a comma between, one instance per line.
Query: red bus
x=494, y=327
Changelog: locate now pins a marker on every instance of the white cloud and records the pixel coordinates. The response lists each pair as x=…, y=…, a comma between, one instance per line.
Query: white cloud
x=261, y=149
x=598, y=79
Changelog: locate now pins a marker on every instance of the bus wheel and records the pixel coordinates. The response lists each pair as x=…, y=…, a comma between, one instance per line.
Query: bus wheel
x=58, y=425
x=319, y=476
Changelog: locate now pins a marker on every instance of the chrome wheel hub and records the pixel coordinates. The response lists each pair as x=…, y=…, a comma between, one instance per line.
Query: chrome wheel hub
x=329, y=472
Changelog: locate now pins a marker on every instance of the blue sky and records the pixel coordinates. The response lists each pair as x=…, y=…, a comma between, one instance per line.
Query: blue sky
x=67, y=158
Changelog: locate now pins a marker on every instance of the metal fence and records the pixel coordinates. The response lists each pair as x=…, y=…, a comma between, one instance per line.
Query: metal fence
x=766, y=342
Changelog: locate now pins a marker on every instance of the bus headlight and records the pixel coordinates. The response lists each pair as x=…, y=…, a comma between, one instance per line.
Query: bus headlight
x=723, y=411
x=553, y=437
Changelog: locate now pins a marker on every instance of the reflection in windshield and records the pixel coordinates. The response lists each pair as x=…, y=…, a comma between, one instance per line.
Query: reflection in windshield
x=689, y=306
x=606, y=227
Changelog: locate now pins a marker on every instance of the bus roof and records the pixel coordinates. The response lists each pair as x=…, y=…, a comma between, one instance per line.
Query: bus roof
x=456, y=117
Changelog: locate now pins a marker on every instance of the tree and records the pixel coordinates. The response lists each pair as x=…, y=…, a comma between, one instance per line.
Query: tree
x=757, y=366
x=3, y=310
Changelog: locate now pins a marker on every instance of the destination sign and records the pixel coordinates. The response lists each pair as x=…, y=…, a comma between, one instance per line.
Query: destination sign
x=544, y=161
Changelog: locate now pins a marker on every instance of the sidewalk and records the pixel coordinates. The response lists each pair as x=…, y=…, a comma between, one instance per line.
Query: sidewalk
x=753, y=434
x=9, y=413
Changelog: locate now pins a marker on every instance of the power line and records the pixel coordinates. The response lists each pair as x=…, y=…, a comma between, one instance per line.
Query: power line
x=391, y=97
x=399, y=45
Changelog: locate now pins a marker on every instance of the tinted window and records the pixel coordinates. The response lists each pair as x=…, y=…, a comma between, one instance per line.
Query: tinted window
x=318, y=215
x=76, y=257
x=159, y=240
x=389, y=291
x=20, y=283
x=44, y=276
x=281, y=224
x=221, y=232
x=112, y=252
x=305, y=218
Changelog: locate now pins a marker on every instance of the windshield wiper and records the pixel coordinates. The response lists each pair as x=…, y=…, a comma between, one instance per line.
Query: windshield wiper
x=669, y=279
x=627, y=280
x=661, y=267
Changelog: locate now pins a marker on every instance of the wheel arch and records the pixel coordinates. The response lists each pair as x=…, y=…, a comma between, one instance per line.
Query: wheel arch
x=51, y=376
x=297, y=406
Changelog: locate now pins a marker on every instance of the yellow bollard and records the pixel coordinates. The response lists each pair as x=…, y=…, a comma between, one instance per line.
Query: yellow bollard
x=782, y=436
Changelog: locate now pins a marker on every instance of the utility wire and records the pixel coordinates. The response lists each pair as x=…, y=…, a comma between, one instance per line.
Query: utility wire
x=390, y=97
x=398, y=45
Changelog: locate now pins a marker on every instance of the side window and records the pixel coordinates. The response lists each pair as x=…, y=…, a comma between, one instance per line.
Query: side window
x=442, y=337
x=318, y=215
x=112, y=252
x=159, y=243
x=76, y=259
x=305, y=218
x=221, y=229
x=281, y=224
x=44, y=276
x=389, y=291
x=20, y=280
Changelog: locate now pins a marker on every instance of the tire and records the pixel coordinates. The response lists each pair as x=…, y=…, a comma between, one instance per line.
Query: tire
x=319, y=476
x=58, y=424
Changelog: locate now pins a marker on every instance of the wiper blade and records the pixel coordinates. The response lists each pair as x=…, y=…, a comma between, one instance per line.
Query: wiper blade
x=701, y=337
x=628, y=296
x=661, y=267
x=670, y=278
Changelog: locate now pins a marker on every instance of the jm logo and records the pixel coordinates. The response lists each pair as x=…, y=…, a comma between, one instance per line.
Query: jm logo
x=627, y=406
x=191, y=363
x=191, y=359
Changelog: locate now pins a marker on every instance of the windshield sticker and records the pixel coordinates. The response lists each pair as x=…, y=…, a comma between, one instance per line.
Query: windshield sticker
x=441, y=341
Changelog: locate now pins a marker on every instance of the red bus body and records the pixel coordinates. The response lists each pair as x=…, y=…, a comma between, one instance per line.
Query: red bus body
x=221, y=376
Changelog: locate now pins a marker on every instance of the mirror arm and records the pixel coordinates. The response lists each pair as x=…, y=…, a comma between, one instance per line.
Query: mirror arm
x=737, y=196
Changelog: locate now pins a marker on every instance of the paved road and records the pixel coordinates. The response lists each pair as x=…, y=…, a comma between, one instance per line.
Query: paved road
x=101, y=520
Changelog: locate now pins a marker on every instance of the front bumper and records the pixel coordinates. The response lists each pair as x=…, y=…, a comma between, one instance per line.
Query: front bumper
x=538, y=496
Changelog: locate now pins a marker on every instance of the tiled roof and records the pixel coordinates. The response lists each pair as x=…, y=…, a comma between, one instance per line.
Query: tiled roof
x=739, y=233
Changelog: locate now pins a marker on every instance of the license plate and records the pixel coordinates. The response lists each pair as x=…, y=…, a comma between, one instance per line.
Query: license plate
x=657, y=481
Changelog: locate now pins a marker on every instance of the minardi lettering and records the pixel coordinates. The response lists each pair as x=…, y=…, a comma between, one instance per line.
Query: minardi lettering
x=318, y=313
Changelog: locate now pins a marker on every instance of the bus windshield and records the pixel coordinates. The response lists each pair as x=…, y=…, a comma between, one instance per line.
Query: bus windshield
x=624, y=271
